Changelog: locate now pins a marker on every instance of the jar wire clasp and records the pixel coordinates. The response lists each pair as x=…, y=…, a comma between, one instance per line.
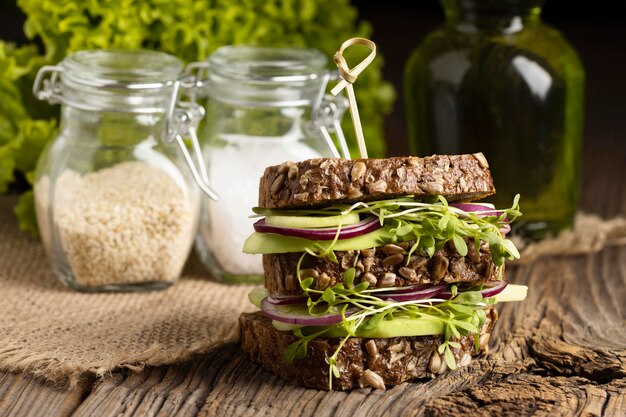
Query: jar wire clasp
x=326, y=110
x=182, y=118
x=326, y=117
x=47, y=88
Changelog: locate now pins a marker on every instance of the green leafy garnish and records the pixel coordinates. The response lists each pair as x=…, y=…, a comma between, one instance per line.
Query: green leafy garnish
x=189, y=29
x=460, y=316
x=430, y=225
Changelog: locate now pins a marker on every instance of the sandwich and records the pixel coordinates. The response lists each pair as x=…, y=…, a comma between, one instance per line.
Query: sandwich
x=377, y=271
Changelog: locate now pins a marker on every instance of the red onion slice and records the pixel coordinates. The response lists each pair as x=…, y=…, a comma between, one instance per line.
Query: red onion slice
x=299, y=315
x=364, y=226
x=409, y=294
x=479, y=209
x=489, y=290
x=402, y=290
x=483, y=210
x=281, y=300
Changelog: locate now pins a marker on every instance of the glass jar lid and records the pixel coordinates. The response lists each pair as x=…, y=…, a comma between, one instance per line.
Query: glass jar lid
x=138, y=81
x=131, y=82
x=264, y=76
x=117, y=69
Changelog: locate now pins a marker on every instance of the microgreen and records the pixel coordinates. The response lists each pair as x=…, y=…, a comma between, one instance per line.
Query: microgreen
x=429, y=224
x=462, y=315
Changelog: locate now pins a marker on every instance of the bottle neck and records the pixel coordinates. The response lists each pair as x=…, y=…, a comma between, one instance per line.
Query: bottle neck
x=495, y=16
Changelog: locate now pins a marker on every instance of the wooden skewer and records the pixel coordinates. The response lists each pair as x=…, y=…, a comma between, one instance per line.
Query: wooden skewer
x=348, y=77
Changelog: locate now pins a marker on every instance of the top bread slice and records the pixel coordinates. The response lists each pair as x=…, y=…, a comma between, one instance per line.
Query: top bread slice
x=323, y=181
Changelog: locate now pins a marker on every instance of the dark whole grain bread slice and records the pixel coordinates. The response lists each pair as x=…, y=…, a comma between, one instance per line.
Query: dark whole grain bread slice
x=321, y=181
x=363, y=362
x=384, y=266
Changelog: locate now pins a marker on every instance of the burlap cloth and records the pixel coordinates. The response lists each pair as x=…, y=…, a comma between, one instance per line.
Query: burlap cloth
x=59, y=334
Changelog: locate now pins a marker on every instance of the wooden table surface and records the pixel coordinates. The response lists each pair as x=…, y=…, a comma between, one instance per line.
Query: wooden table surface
x=561, y=352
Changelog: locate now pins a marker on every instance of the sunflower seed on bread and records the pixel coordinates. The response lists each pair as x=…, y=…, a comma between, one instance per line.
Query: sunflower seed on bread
x=323, y=181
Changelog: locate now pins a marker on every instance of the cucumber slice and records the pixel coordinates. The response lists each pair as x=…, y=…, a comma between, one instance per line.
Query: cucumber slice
x=312, y=222
x=274, y=243
x=398, y=327
x=284, y=327
x=512, y=293
x=257, y=295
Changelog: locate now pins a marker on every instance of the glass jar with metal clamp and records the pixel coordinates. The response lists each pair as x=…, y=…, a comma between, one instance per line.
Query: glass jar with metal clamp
x=264, y=106
x=117, y=206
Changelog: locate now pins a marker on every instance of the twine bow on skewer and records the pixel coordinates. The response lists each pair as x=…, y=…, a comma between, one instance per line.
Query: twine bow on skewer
x=348, y=77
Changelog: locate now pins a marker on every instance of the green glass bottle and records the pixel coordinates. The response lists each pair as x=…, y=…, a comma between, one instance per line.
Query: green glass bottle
x=494, y=78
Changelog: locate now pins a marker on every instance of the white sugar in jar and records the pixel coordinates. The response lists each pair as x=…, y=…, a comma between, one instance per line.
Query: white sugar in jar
x=264, y=106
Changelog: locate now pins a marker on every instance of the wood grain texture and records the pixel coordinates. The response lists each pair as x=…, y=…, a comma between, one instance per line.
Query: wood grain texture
x=178, y=390
x=24, y=395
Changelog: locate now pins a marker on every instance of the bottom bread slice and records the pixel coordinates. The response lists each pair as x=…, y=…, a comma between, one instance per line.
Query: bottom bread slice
x=362, y=362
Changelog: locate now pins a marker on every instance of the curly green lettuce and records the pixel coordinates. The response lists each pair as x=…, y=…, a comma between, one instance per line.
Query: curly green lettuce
x=190, y=29
x=22, y=134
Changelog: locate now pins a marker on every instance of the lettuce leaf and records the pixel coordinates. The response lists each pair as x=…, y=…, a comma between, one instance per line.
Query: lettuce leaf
x=193, y=29
x=190, y=29
x=22, y=138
